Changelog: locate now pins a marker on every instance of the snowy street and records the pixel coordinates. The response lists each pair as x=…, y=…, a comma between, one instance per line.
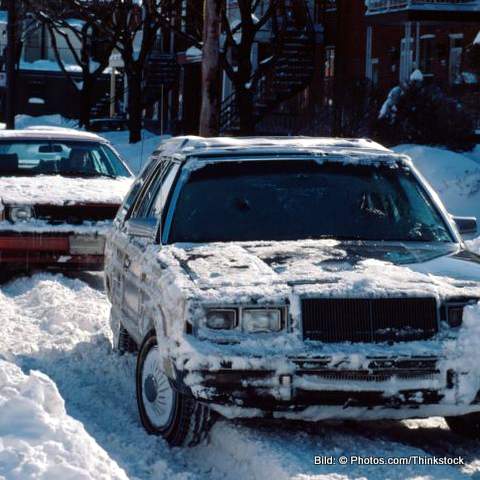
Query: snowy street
x=59, y=326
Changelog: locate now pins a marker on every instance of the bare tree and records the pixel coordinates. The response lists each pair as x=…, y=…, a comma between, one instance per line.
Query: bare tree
x=241, y=34
x=240, y=29
x=133, y=27
x=90, y=50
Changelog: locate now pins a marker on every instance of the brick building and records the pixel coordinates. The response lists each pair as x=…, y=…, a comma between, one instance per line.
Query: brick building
x=383, y=41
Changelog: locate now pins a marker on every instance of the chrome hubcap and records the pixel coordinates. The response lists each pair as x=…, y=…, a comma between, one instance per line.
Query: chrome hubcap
x=157, y=393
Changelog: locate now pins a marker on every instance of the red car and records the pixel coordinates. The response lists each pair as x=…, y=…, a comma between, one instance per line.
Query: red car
x=59, y=192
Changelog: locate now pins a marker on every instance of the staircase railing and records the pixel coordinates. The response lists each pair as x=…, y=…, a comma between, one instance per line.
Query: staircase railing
x=288, y=75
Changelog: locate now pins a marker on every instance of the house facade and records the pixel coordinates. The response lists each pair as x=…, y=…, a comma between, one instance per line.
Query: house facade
x=383, y=41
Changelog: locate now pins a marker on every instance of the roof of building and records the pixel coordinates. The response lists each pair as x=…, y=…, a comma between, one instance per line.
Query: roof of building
x=50, y=133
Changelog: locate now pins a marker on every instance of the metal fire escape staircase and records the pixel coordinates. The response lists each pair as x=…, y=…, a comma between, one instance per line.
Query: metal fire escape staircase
x=291, y=72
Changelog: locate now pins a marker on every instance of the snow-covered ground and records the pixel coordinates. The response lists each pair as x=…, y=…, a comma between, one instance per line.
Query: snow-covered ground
x=69, y=411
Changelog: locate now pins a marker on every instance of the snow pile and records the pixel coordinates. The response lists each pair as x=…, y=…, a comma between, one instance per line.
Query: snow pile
x=26, y=121
x=40, y=308
x=38, y=440
x=455, y=176
x=136, y=155
x=474, y=245
x=48, y=66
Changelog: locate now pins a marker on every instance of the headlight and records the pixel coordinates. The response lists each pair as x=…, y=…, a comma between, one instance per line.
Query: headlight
x=20, y=214
x=222, y=319
x=261, y=320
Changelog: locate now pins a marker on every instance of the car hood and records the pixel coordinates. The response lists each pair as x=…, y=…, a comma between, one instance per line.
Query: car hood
x=59, y=190
x=332, y=266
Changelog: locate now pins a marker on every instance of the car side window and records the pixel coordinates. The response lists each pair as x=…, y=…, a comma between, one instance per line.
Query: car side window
x=149, y=206
x=163, y=192
x=135, y=190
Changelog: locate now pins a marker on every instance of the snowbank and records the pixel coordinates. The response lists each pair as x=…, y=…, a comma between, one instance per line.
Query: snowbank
x=26, y=121
x=455, y=176
x=38, y=440
x=137, y=154
x=474, y=245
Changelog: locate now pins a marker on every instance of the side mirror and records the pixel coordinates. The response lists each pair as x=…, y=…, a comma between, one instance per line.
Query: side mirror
x=141, y=227
x=466, y=225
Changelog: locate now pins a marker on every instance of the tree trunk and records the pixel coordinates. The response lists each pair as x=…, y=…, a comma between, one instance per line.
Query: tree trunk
x=210, y=111
x=245, y=108
x=86, y=102
x=135, y=106
x=341, y=59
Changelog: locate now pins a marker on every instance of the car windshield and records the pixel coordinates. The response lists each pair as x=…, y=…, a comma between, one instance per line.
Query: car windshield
x=51, y=157
x=296, y=199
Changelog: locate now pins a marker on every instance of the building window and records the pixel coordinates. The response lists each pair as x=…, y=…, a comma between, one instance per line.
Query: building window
x=427, y=54
x=329, y=62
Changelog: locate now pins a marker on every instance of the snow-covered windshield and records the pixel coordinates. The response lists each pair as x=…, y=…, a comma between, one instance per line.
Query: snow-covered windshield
x=294, y=200
x=47, y=157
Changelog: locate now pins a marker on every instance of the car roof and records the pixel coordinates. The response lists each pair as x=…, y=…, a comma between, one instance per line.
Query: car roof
x=190, y=146
x=50, y=133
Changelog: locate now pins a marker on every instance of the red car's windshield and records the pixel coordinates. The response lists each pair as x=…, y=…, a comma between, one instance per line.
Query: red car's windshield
x=46, y=157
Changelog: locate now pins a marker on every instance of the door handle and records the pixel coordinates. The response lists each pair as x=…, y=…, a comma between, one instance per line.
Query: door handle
x=126, y=263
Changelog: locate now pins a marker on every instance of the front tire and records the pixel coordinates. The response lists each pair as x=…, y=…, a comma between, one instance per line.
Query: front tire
x=164, y=411
x=465, y=425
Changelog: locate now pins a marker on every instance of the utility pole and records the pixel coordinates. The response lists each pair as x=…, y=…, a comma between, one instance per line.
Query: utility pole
x=10, y=66
x=210, y=112
x=341, y=60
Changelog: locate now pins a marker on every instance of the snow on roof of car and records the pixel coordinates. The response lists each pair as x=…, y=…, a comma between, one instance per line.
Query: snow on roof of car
x=198, y=146
x=50, y=133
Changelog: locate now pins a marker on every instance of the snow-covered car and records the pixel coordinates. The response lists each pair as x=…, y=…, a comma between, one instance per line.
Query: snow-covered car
x=292, y=278
x=60, y=190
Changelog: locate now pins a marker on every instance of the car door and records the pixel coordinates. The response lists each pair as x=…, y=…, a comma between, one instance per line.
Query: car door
x=150, y=274
x=117, y=239
x=143, y=230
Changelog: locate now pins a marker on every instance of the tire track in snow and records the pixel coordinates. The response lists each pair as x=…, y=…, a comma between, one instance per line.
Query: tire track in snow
x=59, y=326
x=287, y=452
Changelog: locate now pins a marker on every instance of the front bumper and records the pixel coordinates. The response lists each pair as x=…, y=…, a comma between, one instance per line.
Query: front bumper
x=313, y=389
x=55, y=250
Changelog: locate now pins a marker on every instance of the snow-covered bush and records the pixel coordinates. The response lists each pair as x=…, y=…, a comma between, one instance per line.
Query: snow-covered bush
x=472, y=56
x=417, y=112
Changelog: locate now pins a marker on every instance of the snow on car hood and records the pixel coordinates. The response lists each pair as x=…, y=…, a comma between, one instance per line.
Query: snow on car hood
x=335, y=268
x=60, y=190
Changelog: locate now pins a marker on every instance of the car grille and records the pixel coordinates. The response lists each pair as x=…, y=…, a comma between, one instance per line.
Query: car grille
x=369, y=320
x=75, y=214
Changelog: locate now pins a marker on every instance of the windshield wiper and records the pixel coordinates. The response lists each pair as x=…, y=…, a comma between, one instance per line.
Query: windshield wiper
x=85, y=174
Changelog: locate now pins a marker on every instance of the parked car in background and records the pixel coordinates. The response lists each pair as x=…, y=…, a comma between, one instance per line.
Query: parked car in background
x=293, y=278
x=59, y=192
